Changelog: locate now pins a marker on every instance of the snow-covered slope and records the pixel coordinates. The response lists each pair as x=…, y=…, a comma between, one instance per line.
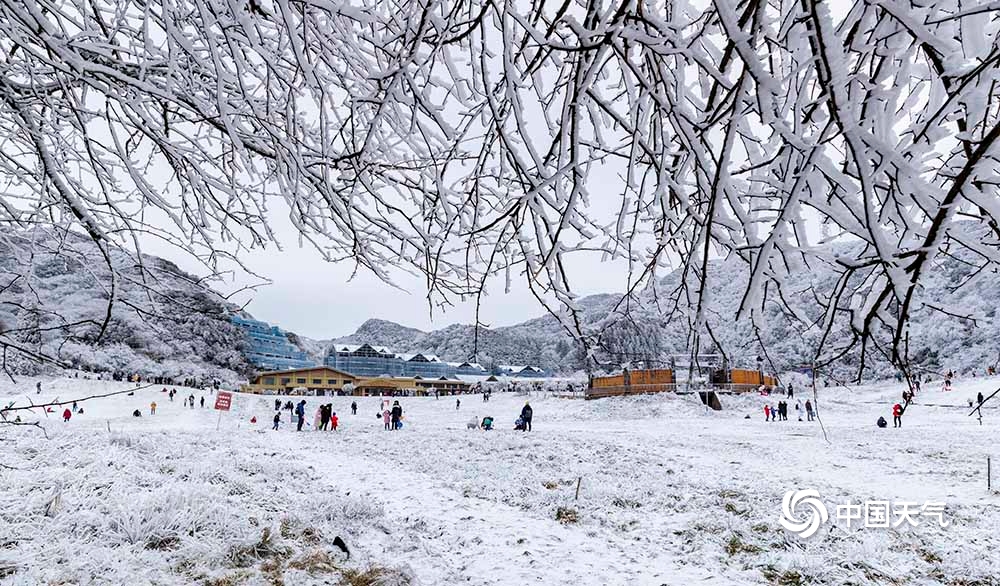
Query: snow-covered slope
x=652, y=490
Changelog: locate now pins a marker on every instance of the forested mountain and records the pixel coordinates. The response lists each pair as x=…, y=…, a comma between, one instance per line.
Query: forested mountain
x=953, y=326
x=54, y=298
x=54, y=295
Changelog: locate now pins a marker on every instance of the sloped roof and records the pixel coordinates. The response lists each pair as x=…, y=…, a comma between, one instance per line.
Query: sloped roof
x=356, y=347
x=427, y=357
x=293, y=371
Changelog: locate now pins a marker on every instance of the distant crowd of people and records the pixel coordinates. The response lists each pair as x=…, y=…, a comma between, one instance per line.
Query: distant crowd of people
x=780, y=412
x=391, y=416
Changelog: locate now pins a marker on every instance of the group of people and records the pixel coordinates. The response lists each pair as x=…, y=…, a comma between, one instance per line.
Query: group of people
x=523, y=422
x=188, y=401
x=393, y=418
x=325, y=418
x=780, y=412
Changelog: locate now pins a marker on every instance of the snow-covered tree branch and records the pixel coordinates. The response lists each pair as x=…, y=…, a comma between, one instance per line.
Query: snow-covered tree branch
x=463, y=139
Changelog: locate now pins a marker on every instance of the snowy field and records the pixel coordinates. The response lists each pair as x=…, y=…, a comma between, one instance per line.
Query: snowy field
x=669, y=493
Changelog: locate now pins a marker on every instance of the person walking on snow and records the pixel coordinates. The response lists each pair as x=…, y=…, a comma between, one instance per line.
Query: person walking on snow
x=277, y=420
x=791, y=392
x=66, y=415
x=397, y=415
x=458, y=403
x=318, y=418
x=798, y=409
x=334, y=420
x=979, y=399
x=386, y=415
x=526, y=414
x=152, y=408
x=767, y=412
x=300, y=411
x=809, y=410
x=354, y=407
x=897, y=415
x=324, y=416
x=38, y=388
x=191, y=401
x=203, y=402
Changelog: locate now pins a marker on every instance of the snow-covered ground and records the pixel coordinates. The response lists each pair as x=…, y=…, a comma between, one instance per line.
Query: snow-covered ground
x=669, y=493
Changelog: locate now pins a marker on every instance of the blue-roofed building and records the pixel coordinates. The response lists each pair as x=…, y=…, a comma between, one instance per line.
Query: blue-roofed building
x=424, y=366
x=371, y=360
x=521, y=371
x=468, y=369
x=268, y=347
x=364, y=360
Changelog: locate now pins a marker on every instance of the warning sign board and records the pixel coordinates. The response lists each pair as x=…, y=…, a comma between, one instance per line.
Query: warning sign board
x=223, y=400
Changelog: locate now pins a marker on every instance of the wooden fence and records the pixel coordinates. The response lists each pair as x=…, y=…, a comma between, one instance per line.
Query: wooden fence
x=643, y=382
x=621, y=390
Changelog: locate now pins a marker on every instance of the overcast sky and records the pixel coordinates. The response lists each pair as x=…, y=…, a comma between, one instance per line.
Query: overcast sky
x=320, y=300
x=316, y=299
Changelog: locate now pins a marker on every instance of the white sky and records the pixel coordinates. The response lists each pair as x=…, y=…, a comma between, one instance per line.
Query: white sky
x=316, y=299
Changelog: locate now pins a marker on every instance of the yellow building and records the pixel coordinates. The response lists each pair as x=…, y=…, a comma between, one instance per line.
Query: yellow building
x=412, y=386
x=318, y=380
x=323, y=380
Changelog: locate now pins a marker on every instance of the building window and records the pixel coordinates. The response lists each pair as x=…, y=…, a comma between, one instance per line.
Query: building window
x=332, y=381
x=268, y=380
x=317, y=381
x=285, y=381
x=300, y=381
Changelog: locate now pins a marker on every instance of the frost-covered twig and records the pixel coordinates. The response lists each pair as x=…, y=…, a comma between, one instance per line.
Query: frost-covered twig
x=464, y=140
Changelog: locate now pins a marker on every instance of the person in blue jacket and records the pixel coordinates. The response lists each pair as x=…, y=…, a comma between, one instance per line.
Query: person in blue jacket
x=300, y=411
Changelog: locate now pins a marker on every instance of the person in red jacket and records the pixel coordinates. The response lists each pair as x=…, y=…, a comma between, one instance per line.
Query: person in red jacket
x=66, y=415
x=897, y=415
x=334, y=420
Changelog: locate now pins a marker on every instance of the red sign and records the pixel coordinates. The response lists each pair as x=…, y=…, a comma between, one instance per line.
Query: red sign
x=223, y=400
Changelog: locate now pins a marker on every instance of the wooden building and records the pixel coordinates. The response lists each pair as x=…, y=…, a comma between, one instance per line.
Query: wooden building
x=316, y=380
x=323, y=380
x=640, y=382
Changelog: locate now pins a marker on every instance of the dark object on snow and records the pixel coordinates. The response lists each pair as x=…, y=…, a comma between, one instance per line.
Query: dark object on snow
x=881, y=422
x=131, y=394
x=343, y=546
x=519, y=424
x=136, y=413
x=711, y=399
x=747, y=417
